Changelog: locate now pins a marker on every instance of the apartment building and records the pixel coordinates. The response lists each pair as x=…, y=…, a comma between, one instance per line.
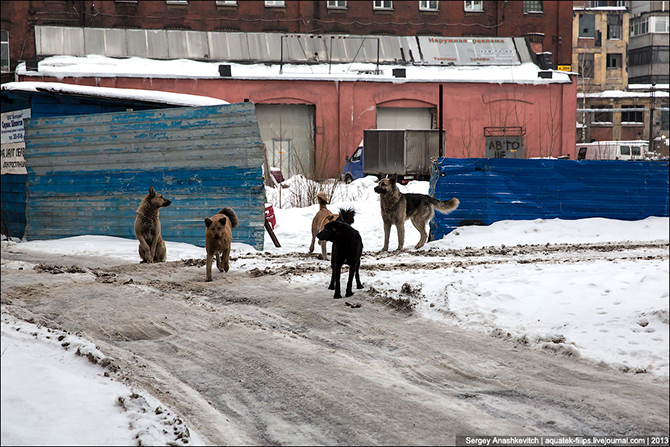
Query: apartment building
x=609, y=106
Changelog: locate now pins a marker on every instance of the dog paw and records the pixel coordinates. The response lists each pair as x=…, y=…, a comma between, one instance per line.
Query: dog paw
x=208, y=279
x=349, y=294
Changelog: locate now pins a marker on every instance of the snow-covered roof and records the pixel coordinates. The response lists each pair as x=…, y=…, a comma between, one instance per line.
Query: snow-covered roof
x=105, y=67
x=177, y=99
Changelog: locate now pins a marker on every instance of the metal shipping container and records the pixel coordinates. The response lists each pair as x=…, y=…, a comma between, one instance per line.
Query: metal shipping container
x=407, y=153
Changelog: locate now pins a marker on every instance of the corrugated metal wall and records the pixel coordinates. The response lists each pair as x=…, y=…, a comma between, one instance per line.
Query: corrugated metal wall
x=88, y=174
x=507, y=189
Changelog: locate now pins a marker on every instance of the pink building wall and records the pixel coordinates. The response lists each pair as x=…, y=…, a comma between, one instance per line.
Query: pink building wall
x=344, y=109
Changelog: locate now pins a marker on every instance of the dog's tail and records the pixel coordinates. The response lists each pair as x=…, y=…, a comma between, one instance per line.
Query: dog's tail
x=321, y=197
x=231, y=215
x=347, y=215
x=445, y=206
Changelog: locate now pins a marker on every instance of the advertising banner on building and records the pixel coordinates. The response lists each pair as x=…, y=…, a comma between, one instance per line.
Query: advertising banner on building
x=13, y=144
x=469, y=50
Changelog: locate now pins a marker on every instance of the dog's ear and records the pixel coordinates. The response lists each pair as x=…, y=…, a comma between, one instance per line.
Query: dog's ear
x=152, y=193
x=393, y=178
x=208, y=222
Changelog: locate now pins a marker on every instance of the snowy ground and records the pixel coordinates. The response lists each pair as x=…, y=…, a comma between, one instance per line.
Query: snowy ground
x=611, y=309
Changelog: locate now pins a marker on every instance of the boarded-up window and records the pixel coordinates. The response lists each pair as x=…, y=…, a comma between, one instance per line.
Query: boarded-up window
x=587, y=25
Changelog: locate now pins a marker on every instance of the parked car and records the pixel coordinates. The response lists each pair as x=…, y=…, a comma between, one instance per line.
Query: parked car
x=353, y=168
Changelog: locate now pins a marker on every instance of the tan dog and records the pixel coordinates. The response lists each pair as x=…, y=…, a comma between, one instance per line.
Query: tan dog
x=323, y=216
x=218, y=237
x=148, y=228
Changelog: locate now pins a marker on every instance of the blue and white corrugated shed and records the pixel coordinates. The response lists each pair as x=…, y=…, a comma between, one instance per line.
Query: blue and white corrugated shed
x=87, y=174
x=497, y=189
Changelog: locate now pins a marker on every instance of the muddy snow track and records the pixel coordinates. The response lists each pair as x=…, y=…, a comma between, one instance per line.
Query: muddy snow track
x=252, y=358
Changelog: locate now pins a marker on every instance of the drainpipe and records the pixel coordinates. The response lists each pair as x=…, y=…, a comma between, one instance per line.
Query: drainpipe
x=651, y=118
x=440, y=118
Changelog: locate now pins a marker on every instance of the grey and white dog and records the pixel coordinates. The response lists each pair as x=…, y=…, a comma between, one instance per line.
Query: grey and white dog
x=398, y=207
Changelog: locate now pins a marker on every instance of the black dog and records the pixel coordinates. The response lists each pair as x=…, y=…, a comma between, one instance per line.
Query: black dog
x=347, y=249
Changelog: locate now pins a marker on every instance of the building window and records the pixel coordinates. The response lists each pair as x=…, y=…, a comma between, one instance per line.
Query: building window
x=428, y=6
x=226, y=3
x=383, y=5
x=587, y=25
x=606, y=4
x=585, y=68
x=474, y=6
x=602, y=117
x=661, y=24
x=177, y=2
x=639, y=25
x=632, y=117
x=275, y=4
x=614, y=60
x=336, y=5
x=4, y=42
x=659, y=55
x=614, y=26
x=532, y=7
x=639, y=56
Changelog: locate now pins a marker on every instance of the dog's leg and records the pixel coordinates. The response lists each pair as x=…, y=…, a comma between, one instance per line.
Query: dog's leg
x=210, y=258
x=401, y=235
x=217, y=255
x=420, y=225
x=333, y=257
x=225, y=254
x=161, y=251
x=350, y=280
x=359, y=285
x=324, y=253
x=311, y=246
x=154, y=244
x=144, y=252
x=337, y=270
x=387, y=234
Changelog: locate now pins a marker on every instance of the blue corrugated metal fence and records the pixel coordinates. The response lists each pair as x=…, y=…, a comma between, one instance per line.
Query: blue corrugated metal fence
x=87, y=174
x=497, y=189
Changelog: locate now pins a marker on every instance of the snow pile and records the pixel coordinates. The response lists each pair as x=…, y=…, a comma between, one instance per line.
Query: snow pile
x=57, y=389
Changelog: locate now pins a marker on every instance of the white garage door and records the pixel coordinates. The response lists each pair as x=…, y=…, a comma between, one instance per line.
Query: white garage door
x=288, y=133
x=404, y=118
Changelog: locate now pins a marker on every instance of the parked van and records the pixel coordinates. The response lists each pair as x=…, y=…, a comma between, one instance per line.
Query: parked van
x=613, y=150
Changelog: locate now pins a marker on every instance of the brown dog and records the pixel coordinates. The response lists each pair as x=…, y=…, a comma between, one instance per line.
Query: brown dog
x=398, y=207
x=323, y=216
x=218, y=237
x=148, y=228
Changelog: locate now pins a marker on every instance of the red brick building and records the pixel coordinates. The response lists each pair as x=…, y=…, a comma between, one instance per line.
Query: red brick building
x=547, y=23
